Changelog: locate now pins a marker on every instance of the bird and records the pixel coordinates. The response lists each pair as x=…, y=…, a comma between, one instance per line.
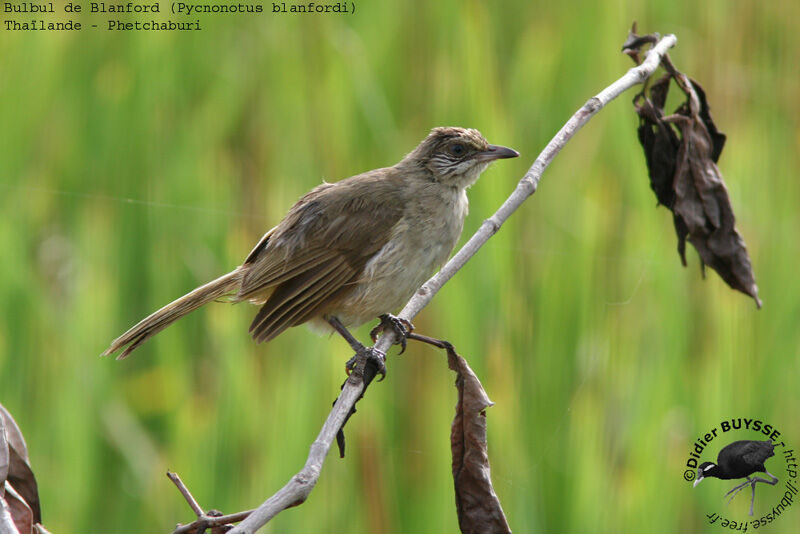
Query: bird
x=350, y=251
x=740, y=459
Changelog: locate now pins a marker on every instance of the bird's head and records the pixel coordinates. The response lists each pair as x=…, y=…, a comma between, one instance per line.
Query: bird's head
x=456, y=156
x=704, y=470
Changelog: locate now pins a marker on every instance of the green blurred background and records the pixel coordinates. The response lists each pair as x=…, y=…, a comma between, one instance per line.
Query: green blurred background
x=135, y=166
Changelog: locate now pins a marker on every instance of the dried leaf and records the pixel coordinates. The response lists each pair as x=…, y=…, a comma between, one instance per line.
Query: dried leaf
x=7, y=525
x=14, y=434
x=478, y=507
x=660, y=142
x=5, y=459
x=17, y=473
x=21, y=513
x=19, y=495
x=717, y=138
x=685, y=178
x=20, y=477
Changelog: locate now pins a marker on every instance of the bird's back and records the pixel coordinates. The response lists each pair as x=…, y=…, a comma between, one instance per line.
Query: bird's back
x=319, y=250
x=742, y=458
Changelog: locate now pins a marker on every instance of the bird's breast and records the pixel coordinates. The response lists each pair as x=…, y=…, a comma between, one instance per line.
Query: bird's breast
x=420, y=243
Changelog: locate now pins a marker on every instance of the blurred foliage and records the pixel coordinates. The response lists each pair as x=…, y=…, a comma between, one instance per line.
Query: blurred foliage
x=135, y=166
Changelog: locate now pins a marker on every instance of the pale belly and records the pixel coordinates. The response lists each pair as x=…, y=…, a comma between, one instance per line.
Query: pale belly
x=412, y=255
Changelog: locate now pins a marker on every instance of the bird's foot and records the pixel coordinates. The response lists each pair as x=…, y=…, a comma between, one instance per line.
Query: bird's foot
x=734, y=491
x=370, y=354
x=401, y=328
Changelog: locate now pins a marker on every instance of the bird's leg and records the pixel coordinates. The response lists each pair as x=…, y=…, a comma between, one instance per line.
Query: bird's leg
x=765, y=481
x=756, y=480
x=401, y=327
x=337, y=325
x=736, y=490
x=378, y=357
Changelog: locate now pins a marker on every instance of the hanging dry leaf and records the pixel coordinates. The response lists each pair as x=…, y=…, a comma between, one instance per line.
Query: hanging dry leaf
x=701, y=200
x=685, y=177
x=20, y=477
x=717, y=138
x=478, y=507
x=19, y=493
x=7, y=525
x=21, y=513
x=660, y=142
x=14, y=434
x=5, y=459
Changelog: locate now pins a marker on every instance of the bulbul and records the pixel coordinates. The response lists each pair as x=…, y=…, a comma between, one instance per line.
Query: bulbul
x=350, y=251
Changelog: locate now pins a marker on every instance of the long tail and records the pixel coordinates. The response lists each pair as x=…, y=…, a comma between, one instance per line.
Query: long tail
x=157, y=321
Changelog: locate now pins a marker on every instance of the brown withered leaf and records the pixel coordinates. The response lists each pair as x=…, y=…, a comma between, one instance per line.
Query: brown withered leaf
x=659, y=140
x=7, y=525
x=478, y=507
x=21, y=513
x=660, y=143
x=20, y=477
x=20, y=483
x=5, y=459
x=13, y=433
x=717, y=138
x=685, y=178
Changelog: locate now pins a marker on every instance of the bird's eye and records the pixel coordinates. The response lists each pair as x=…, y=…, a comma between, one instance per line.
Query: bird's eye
x=458, y=149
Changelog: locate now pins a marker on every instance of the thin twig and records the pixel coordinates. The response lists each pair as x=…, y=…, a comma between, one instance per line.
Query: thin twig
x=193, y=504
x=204, y=520
x=298, y=488
x=209, y=521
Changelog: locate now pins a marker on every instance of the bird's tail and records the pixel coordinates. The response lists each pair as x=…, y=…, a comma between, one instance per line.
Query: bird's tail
x=157, y=321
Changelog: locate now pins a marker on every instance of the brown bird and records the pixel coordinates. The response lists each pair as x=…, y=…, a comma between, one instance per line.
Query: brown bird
x=350, y=251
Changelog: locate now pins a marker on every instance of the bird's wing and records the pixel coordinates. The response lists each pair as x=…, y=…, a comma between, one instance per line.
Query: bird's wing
x=260, y=246
x=757, y=452
x=320, y=247
x=296, y=300
x=743, y=454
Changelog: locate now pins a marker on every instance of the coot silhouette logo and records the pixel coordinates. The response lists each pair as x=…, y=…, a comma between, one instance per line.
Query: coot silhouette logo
x=746, y=450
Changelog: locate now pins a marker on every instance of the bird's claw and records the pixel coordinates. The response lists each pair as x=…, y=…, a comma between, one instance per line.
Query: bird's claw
x=370, y=353
x=401, y=328
x=350, y=365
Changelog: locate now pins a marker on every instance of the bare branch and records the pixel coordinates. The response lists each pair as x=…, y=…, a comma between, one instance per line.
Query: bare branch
x=213, y=519
x=206, y=521
x=186, y=493
x=298, y=488
x=296, y=491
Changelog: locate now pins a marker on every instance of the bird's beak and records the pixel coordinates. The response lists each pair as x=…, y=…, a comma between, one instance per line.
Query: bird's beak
x=697, y=481
x=496, y=152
